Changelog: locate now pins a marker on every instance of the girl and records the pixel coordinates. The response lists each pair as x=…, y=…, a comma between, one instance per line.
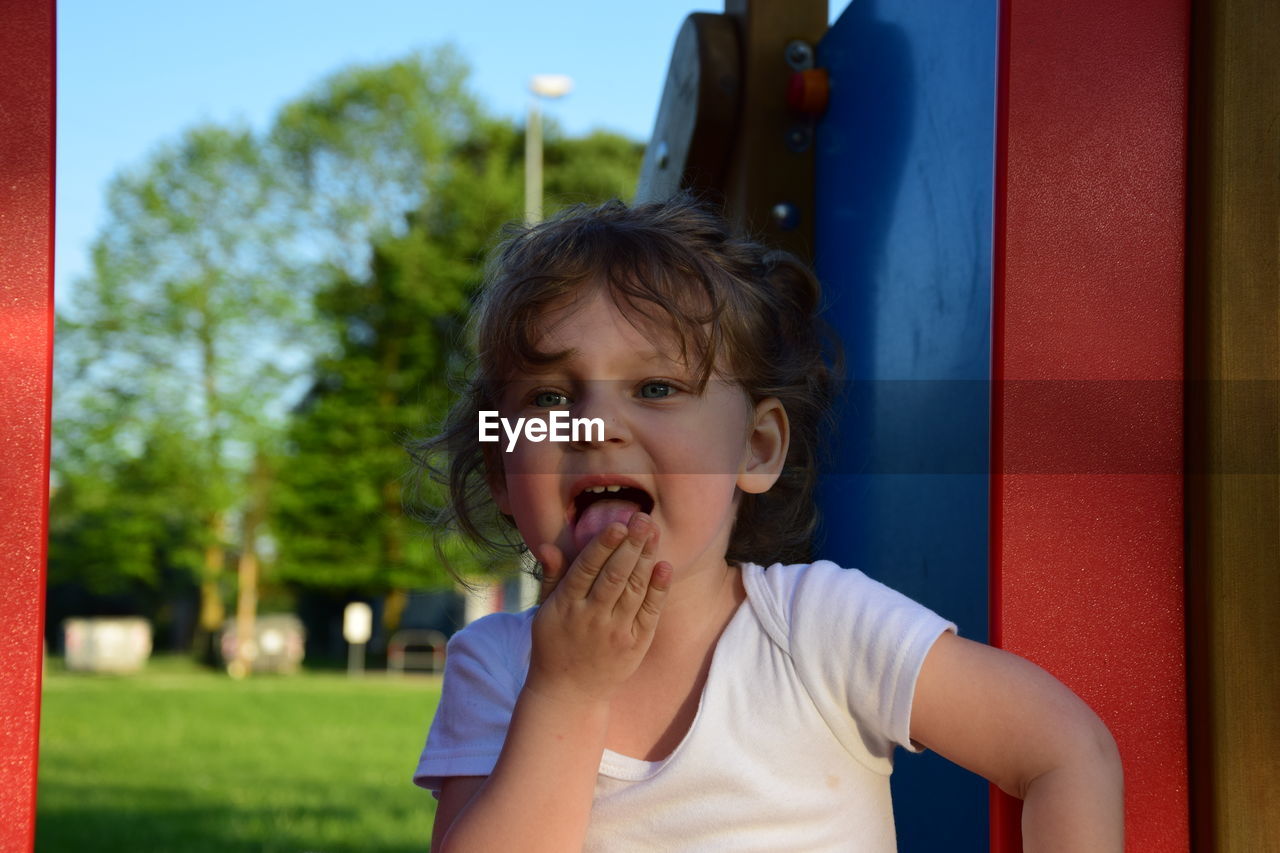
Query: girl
x=670, y=692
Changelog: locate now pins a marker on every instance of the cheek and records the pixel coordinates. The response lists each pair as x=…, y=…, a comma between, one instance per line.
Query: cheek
x=532, y=458
x=703, y=495
x=708, y=454
x=533, y=498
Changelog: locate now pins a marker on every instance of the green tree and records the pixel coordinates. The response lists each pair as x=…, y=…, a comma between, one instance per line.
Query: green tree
x=175, y=341
x=337, y=522
x=120, y=529
x=364, y=147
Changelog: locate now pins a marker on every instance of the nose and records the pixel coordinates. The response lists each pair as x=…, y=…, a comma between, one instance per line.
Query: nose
x=602, y=401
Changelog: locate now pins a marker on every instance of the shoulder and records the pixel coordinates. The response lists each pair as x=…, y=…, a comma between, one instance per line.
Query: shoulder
x=784, y=580
x=790, y=596
x=497, y=645
x=824, y=601
x=495, y=630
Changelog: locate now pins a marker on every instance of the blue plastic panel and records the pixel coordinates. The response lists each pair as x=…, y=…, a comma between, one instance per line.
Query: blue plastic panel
x=903, y=233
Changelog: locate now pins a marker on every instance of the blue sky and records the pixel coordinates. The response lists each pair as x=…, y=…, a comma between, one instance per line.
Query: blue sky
x=133, y=73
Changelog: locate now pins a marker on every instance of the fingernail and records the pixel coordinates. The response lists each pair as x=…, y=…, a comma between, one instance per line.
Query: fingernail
x=640, y=523
x=614, y=534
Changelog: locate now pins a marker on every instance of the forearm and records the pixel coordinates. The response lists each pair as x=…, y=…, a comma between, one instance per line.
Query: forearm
x=540, y=792
x=1077, y=807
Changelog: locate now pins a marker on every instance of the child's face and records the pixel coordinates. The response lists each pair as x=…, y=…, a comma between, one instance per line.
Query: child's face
x=679, y=455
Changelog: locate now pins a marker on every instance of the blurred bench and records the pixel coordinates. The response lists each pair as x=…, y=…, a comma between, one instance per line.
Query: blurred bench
x=416, y=650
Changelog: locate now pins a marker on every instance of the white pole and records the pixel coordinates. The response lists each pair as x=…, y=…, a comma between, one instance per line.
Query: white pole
x=533, y=165
x=540, y=86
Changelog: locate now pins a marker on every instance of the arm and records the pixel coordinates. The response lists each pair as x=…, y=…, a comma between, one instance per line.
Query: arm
x=1008, y=720
x=545, y=778
x=588, y=637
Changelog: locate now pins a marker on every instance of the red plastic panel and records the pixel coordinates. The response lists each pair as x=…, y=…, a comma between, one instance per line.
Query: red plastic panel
x=1087, y=563
x=26, y=337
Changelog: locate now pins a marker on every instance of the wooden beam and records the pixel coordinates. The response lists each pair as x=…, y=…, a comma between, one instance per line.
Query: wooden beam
x=1233, y=411
x=769, y=187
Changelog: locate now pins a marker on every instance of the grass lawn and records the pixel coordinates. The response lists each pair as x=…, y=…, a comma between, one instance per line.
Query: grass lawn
x=183, y=759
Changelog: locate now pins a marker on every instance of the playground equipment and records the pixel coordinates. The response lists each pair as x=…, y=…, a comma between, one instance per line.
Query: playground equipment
x=1063, y=321
x=1046, y=435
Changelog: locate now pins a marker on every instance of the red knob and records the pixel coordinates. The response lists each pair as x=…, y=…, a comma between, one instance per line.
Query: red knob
x=808, y=91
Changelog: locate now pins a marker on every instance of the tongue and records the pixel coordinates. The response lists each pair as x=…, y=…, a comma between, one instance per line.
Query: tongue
x=599, y=515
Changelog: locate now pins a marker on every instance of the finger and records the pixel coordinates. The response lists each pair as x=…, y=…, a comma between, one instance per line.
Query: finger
x=655, y=597
x=551, y=559
x=580, y=576
x=617, y=569
x=637, y=585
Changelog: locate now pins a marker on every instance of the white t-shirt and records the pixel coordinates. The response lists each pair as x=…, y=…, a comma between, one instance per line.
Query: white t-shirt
x=809, y=690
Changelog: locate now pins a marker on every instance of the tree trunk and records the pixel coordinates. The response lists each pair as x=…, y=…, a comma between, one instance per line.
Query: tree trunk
x=212, y=611
x=247, y=569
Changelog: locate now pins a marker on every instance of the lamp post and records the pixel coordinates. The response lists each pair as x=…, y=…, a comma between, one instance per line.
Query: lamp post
x=541, y=86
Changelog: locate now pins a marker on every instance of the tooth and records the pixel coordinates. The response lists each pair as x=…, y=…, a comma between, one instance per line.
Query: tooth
x=615, y=488
x=595, y=490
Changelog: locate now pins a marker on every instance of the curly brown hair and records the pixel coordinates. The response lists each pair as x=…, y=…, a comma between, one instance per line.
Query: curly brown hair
x=737, y=308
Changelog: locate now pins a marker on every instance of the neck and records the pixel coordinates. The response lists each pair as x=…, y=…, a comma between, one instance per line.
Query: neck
x=697, y=609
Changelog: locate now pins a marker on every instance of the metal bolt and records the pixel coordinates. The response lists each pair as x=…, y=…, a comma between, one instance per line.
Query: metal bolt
x=799, y=55
x=785, y=215
x=661, y=154
x=799, y=138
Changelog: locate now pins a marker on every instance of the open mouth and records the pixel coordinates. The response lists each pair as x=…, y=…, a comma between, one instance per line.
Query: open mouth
x=596, y=494
x=596, y=507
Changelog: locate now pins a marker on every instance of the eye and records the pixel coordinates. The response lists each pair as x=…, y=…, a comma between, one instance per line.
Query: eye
x=549, y=399
x=656, y=389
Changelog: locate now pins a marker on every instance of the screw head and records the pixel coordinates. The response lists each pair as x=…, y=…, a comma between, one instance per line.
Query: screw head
x=799, y=138
x=799, y=55
x=785, y=215
x=662, y=154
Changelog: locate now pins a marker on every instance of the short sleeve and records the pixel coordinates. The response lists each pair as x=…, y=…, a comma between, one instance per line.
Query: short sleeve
x=858, y=647
x=484, y=670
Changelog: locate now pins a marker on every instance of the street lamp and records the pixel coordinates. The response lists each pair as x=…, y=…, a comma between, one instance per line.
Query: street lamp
x=541, y=86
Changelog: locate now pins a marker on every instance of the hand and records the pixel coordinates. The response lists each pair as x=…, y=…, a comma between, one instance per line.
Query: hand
x=598, y=618
x=551, y=563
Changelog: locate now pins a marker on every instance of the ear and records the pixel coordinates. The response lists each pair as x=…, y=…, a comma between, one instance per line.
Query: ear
x=766, y=449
